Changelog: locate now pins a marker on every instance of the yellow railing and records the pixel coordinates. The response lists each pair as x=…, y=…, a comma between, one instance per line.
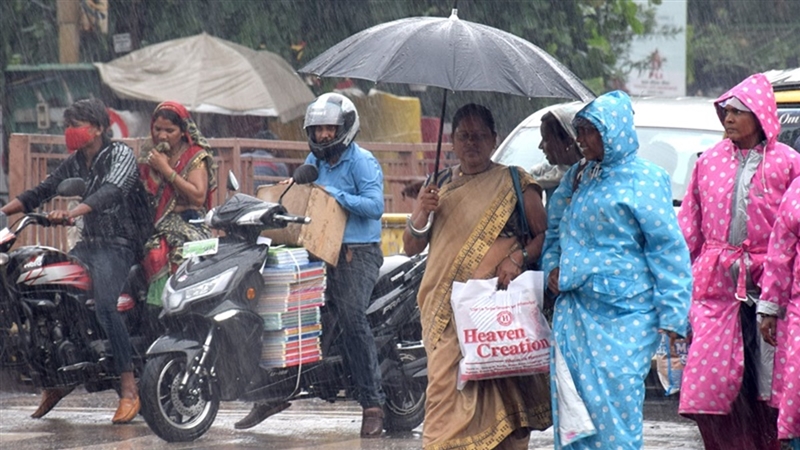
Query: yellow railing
x=392, y=233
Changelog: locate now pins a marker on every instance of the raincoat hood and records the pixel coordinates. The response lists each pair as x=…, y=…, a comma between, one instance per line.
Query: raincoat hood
x=612, y=115
x=756, y=93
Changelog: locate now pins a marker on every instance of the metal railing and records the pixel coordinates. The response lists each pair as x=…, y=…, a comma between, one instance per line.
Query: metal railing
x=33, y=156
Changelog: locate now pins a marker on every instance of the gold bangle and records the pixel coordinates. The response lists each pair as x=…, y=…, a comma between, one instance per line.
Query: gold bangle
x=172, y=176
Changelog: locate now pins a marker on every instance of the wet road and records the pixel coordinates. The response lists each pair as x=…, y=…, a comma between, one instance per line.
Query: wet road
x=84, y=421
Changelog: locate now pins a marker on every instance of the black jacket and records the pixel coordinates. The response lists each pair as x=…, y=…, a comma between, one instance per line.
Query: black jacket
x=114, y=191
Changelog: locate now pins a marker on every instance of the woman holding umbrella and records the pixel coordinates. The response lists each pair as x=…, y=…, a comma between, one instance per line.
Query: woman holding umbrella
x=481, y=241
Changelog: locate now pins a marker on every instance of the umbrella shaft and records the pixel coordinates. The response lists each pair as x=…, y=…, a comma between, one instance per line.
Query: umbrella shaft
x=439, y=143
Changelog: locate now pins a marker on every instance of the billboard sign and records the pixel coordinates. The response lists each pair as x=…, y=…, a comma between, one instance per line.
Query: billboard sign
x=664, y=72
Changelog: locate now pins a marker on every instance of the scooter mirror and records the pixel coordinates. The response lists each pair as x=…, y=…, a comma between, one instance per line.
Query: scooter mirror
x=233, y=182
x=305, y=174
x=71, y=187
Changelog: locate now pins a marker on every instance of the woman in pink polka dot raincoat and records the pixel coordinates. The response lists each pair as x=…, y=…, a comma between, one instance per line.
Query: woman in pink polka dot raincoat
x=726, y=217
x=780, y=311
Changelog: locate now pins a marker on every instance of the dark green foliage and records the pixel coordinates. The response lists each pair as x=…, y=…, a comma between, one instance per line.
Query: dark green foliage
x=732, y=39
x=586, y=35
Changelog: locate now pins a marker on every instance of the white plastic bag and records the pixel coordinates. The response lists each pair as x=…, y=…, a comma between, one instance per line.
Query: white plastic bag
x=501, y=333
x=574, y=421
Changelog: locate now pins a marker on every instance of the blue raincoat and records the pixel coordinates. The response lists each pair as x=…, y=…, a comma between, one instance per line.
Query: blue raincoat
x=625, y=274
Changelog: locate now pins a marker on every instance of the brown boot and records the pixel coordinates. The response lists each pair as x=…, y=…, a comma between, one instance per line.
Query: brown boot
x=372, y=422
x=50, y=398
x=127, y=410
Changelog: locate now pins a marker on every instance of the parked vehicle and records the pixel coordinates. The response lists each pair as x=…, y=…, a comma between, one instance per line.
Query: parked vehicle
x=672, y=133
x=211, y=351
x=50, y=332
x=786, y=84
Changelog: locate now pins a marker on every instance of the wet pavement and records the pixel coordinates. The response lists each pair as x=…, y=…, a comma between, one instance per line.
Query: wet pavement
x=83, y=420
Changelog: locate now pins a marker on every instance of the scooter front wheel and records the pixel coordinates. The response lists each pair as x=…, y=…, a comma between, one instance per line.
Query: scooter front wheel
x=173, y=412
x=405, y=397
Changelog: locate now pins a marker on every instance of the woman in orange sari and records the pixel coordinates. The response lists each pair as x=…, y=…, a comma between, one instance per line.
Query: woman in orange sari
x=178, y=172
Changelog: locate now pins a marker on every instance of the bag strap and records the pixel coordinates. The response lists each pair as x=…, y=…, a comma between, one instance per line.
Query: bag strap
x=526, y=230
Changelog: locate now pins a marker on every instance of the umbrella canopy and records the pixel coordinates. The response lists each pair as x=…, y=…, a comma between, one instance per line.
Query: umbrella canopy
x=449, y=53
x=209, y=74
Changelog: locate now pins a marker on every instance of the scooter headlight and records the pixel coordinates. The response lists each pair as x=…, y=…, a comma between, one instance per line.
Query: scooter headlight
x=175, y=300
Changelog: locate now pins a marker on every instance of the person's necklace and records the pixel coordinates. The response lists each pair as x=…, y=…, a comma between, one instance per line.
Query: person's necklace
x=177, y=155
x=462, y=174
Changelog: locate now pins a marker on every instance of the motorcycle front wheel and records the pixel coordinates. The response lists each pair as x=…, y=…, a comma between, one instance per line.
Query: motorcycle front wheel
x=176, y=414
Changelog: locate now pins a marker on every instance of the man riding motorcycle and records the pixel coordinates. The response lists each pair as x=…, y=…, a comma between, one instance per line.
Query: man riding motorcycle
x=116, y=220
x=354, y=178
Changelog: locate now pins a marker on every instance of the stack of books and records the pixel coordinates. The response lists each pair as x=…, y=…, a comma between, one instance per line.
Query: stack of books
x=294, y=291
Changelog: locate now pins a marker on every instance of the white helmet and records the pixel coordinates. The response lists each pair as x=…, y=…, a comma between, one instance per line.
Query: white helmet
x=331, y=109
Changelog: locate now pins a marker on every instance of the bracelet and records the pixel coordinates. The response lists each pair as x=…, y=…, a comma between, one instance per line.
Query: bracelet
x=419, y=234
x=524, y=256
x=512, y=259
x=172, y=176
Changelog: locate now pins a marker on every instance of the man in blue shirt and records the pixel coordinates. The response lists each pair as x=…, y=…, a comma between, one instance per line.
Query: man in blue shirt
x=354, y=178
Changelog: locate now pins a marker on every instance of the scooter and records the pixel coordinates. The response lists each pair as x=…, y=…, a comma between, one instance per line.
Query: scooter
x=50, y=332
x=213, y=346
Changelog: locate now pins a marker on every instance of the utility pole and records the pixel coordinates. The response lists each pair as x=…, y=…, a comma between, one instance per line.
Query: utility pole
x=68, y=13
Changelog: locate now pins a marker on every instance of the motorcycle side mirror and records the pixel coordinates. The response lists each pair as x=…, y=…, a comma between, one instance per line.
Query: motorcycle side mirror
x=305, y=174
x=71, y=187
x=233, y=182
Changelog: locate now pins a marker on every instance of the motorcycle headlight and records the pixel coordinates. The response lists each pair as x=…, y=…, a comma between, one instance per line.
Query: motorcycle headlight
x=175, y=300
x=3, y=259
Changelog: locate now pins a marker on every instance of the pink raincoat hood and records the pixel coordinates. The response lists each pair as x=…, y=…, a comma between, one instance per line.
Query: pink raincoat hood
x=756, y=93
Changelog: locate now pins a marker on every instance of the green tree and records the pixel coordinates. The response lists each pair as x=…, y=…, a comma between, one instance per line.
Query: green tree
x=733, y=39
x=586, y=35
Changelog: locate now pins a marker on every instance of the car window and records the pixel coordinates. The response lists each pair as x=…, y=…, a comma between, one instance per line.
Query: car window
x=676, y=150
x=790, y=126
x=522, y=149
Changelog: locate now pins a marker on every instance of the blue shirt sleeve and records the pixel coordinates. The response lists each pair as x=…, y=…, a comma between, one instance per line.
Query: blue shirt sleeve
x=368, y=199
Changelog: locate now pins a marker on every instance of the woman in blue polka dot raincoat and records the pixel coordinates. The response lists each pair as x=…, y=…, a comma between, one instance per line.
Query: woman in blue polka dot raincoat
x=621, y=268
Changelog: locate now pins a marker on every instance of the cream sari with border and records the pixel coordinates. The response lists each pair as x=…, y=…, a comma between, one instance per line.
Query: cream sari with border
x=464, y=245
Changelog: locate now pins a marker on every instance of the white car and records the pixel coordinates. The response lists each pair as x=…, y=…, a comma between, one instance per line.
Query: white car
x=672, y=133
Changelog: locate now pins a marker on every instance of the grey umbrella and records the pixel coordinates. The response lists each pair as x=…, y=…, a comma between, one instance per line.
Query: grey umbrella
x=449, y=53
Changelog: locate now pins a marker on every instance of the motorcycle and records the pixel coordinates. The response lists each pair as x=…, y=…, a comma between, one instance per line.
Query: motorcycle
x=50, y=332
x=212, y=349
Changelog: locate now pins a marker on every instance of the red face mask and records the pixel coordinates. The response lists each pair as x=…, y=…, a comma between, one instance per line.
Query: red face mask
x=77, y=137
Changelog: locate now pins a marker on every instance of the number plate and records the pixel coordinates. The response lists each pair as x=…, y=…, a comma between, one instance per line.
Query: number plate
x=201, y=248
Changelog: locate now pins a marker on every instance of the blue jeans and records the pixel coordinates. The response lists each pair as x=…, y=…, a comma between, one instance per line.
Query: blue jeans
x=349, y=287
x=109, y=265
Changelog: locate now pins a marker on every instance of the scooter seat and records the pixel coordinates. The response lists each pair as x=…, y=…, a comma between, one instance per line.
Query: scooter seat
x=390, y=263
